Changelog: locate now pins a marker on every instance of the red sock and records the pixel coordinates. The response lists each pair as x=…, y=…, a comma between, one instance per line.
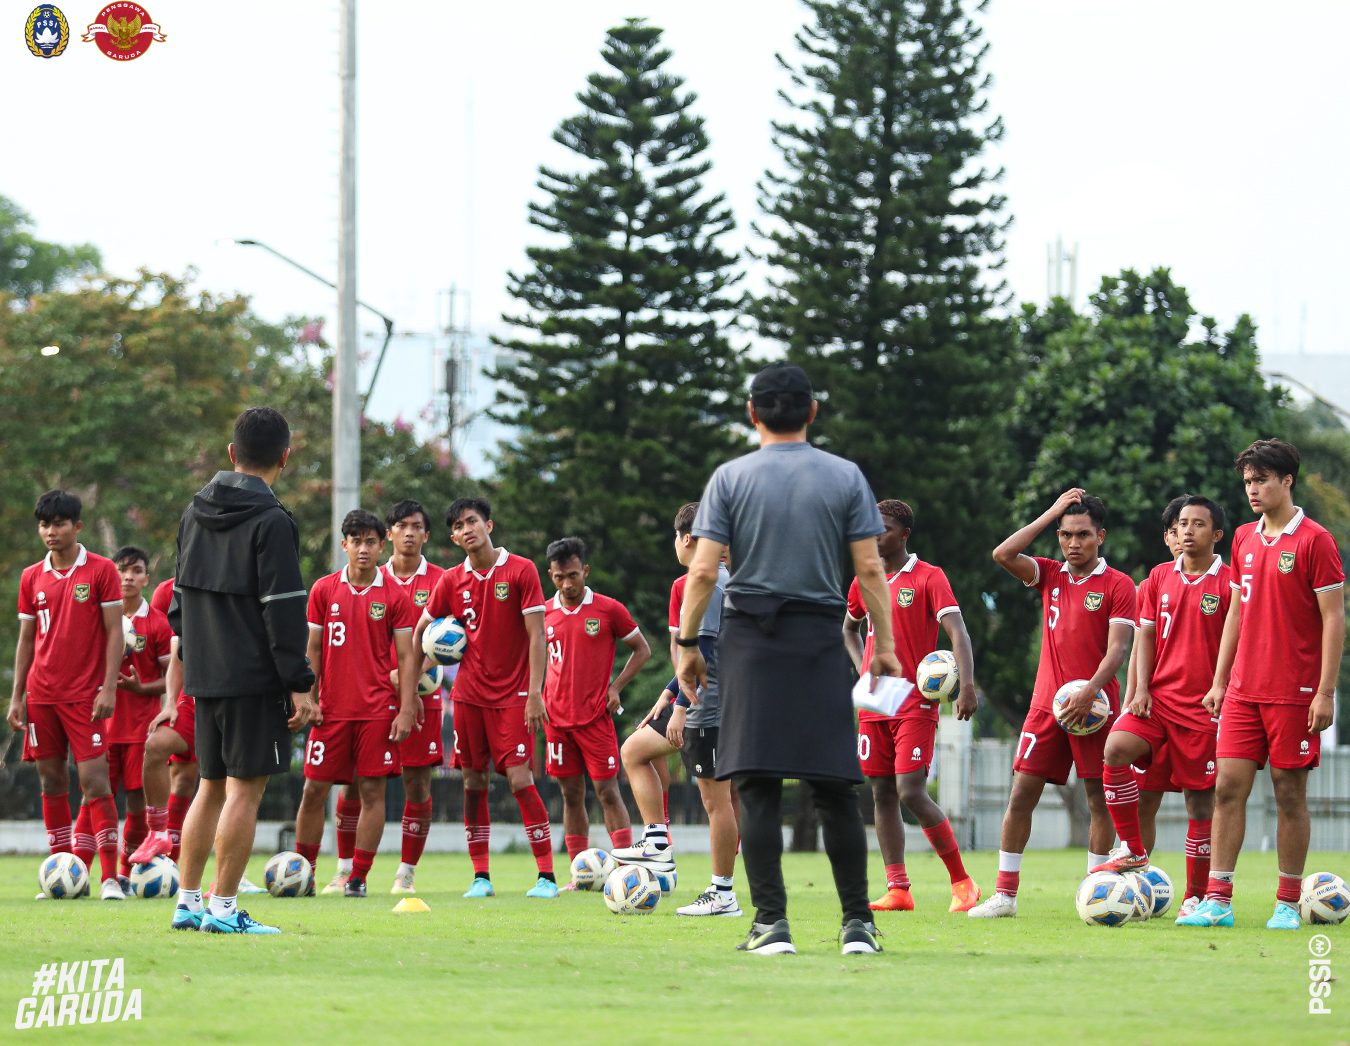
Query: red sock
x=622, y=837
x=157, y=818
x=534, y=815
x=416, y=826
x=896, y=877
x=309, y=851
x=1220, y=888
x=178, y=808
x=361, y=862
x=1197, y=857
x=1290, y=889
x=1007, y=882
x=665, y=807
x=133, y=834
x=83, y=844
x=477, y=828
x=56, y=817
x=103, y=816
x=576, y=843
x=1122, y=803
x=348, y=813
x=943, y=841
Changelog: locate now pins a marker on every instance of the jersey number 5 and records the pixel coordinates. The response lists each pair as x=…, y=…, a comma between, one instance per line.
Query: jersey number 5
x=1246, y=587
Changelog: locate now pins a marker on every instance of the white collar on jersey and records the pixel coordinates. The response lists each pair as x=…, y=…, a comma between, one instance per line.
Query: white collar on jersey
x=1100, y=568
x=141, y=611
x=909, y=565
x=419, y=572
x=501, y=558
x=377, y=583
x=1213, y=567
x=586, y=600
x=80, y=560
x=1289, y=528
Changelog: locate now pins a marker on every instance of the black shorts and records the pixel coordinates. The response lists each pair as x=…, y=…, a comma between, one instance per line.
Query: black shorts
x=700, y=751
x=243, y=736
x=662, y=721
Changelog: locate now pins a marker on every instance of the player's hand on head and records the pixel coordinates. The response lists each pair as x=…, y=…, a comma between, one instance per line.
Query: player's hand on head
x=1070, y=497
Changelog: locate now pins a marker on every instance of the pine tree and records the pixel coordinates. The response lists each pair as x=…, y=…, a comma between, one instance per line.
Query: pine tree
x=624, y=380
x=882, y=231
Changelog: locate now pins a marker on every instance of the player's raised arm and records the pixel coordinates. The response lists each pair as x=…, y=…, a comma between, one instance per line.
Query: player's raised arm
x=954, y=624
x=1011, y=554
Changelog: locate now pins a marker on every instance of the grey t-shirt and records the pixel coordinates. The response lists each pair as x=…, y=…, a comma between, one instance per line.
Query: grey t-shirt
x=708, y=712
x=787, y=511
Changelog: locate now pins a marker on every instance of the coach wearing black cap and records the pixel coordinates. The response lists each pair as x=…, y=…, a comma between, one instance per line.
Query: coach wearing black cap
x=787, y=510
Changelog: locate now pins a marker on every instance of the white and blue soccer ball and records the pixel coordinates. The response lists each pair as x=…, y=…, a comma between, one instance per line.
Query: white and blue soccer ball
x=1325, y=899
x=1161, y=883
x=938, y=679
x=158, y=877
x=430, y=681
x=631, y=890
x=592, y=867
x=445, y=640
x=1096, y=717
x=1105, y=899
x=667, y=880
x=63, y=877
x=1143, y=895
x=288, y=875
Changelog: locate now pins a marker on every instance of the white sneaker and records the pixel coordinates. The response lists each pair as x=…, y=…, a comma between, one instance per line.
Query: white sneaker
x=647, y=854
x=1188, y=907
x=247, y=887
x=403, y=884
x=338, y=884
x=712, y=901
x=111, y=891
x=1000, y=906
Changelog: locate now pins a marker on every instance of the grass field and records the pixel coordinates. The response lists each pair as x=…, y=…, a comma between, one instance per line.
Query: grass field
x=569, y=971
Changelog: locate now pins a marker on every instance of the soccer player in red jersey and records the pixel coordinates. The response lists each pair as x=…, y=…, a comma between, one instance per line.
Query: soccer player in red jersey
x=1182, y=607
x=582, y=629
x=65, y=678
x=360, y=631
x=1275, y=679
x=898, y=750
x=499, y=701
x=1089, y=620
x=139, y=686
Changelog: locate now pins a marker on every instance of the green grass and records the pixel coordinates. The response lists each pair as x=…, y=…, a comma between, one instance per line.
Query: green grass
x=569, y=971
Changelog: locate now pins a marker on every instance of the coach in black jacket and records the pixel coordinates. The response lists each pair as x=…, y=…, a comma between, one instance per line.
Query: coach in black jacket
x=239, y=612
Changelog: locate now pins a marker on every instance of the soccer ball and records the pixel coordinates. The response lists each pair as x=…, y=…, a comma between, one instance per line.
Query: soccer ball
x=444, y=641
x=592, y=866
x=155, y=878
x=288, y=875
x=631, y=890
x=938, y=678
x=1162, y=888
x=1096, y=718
x=63, y=877
x=1105, y=899
x=128, y=637
x=430, y=681
x=1325, y=899
x=1143, y=896
x=667, y=880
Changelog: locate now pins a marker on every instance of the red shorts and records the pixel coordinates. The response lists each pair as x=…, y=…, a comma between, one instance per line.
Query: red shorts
x=1045, y=749
x=1182, y=758
x=126, y=760
x=185, y=726
x=594, y=747
x=490, y=737
x=424, y=747
x=54, y=730
x=1248, y=730
x=889, y=747
x=352, y=748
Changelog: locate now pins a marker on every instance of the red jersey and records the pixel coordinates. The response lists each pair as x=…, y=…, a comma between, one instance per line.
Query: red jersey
x=1187, y=615
x=495, y=669
x=133, y=712
x=1279, y=652
x=162, y=597
x=581, y=644
x=676, y=602
x=358, y=628
x=70, y=643
x=1078, y=615
x=921, y=596
x=418, y=586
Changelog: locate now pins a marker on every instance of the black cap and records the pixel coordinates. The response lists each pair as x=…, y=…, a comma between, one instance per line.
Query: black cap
x=780, y=378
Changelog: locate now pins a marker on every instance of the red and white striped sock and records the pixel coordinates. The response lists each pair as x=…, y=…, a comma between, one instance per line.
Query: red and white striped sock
x=416, y=827
x=534, y=815
x=1122, y=803
x=1197, y=857
x=56, y=819
x=477, y=828
x=348, y=814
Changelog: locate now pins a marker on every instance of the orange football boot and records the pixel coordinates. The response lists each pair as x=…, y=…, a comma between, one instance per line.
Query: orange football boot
x=895, y=899
x=965, y=895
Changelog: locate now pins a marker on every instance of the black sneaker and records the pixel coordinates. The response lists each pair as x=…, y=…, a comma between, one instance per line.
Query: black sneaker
x=354, y=888
x=859, y=938
x=769, y=939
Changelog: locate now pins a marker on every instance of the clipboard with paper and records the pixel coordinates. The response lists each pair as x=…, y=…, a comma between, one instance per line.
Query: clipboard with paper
x=890, y=693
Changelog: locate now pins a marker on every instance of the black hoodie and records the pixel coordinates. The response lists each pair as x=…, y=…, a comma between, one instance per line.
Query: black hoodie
x=238, y=599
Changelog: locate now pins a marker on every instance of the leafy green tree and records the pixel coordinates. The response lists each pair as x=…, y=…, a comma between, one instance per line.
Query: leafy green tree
x=624, y=381
x=30, y=266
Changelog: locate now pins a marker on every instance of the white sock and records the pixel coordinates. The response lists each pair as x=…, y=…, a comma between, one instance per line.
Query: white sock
x=405, y=869
x=656, y=834
x=190, y=899
x=721, y=882
x=1009, y=862
x=1096, y=859
x=222, y=907
x=344, y=866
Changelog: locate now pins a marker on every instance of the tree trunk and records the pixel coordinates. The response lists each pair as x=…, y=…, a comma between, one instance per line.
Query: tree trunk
x=1075, y=804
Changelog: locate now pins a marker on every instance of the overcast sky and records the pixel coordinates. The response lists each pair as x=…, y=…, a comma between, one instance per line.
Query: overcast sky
x=1207, y=136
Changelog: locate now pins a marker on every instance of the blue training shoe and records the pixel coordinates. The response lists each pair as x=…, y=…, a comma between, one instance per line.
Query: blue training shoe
x=545, y=888
x=183, y=919
x=480, y=887
x=239, y=922
x=1208, y=913
x=1285, y=917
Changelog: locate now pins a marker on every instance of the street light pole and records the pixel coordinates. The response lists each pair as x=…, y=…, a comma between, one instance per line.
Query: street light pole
x=346, y=405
